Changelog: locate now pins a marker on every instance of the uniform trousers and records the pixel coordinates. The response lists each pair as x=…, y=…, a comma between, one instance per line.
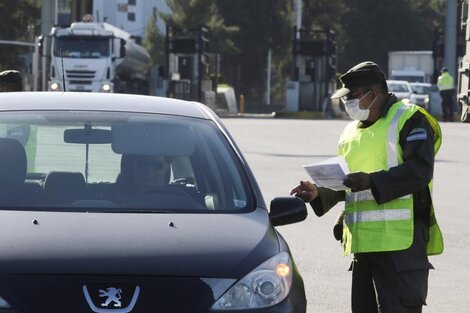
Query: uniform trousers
x=447, y=104
x=392, y=282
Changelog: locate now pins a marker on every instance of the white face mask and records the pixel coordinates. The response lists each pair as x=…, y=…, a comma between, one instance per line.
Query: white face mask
x=354, y=111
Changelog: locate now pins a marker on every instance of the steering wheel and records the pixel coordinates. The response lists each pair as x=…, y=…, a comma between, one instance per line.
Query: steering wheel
x=164, y=197
x=175, y=190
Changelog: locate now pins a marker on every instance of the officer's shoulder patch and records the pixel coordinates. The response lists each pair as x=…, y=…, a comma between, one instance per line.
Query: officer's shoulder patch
x=417, y=134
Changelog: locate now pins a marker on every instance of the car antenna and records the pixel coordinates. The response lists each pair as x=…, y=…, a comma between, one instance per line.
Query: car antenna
x=63, y=71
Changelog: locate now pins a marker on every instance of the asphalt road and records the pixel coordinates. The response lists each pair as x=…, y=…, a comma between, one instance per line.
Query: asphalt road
x=276, y=149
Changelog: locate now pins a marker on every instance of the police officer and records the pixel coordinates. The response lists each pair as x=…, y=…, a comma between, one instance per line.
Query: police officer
x=11, y=80
x=389, y=223
x=446, y=86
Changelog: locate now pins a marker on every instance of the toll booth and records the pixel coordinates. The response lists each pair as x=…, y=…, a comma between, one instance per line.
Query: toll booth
x=187, y=61
x=313, y=76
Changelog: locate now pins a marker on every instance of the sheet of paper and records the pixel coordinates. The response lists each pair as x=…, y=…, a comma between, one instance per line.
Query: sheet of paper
x=329, y=173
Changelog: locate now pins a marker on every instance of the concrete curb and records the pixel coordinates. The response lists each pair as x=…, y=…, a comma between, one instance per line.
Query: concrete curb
x=301, y=115
x=305, y=115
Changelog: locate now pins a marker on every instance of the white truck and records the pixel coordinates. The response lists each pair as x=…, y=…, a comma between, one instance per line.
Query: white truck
x=412, y=66
x=97, y=57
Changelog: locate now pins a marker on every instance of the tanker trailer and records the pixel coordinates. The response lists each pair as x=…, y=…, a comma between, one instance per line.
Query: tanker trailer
x=97, y=57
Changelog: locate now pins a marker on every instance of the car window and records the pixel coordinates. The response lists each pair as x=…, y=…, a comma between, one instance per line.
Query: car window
x=119, y=162
x=398, y=87
x=420, y=89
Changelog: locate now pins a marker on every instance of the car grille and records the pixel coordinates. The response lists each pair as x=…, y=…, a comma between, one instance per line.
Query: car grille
x=81, y=82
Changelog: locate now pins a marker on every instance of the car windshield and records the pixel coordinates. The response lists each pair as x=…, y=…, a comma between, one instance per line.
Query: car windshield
x=118, y=162
x=394, y=87
x=418, y=79
x=82, y=47
x=420, y=89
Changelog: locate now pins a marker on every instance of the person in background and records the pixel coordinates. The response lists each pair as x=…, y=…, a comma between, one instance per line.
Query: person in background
x=388, y=223
x=446, y=86
x=11, y=81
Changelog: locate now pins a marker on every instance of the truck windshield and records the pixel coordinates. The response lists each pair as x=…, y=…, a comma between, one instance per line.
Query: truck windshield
x=414, y=79
x=82, y=47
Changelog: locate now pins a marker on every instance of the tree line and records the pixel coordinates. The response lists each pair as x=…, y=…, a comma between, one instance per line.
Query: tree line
x=242, y=31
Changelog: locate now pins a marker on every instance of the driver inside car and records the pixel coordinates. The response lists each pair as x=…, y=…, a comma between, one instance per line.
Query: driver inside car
x=146, y=182
x=150, y=171
x=142, y=173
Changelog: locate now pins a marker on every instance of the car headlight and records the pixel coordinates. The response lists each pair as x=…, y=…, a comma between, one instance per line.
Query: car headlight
x=106, y=87
x=266, y=285
x=54, y=86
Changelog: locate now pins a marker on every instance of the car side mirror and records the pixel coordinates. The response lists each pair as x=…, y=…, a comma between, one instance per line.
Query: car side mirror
x=287, y=210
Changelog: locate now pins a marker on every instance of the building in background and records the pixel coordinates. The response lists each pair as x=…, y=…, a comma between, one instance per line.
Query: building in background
x=130, y=15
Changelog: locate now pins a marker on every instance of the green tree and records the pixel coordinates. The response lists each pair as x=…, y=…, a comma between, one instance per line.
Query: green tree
x=371, y=30
x=191, y=15
x=154, y=42
x=20, y=20
x=263, y=24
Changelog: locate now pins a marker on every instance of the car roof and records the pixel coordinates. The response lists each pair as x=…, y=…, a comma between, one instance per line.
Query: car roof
x=398, y=82
x=421, y=84
x=25, y=101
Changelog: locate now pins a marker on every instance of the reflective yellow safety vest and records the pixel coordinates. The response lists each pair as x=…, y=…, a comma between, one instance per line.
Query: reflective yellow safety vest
x=30, y=149
x=445, y=82
x=373, y=227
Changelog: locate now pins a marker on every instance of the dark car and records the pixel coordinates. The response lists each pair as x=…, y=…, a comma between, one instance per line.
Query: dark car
x=122, y=203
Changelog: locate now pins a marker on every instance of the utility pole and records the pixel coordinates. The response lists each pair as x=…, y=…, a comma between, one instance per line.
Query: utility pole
x=48, y=15
x=298, y=16
x=450, y=46
x=268, y=77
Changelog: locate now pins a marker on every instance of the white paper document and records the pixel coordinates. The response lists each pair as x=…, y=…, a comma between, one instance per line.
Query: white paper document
x=329, y=173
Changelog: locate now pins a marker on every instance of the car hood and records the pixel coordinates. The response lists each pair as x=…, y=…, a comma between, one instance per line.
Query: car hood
x=202, y=245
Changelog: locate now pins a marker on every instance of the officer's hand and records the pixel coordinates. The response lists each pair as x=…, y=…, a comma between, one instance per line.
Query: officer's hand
x=357, y=181
x=306, y=191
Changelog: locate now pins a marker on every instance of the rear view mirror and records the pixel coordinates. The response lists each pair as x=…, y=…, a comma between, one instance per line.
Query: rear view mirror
x=87, y=136
x=287, y=210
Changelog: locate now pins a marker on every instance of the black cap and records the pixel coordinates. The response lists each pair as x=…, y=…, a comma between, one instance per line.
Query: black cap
x=444, y=69
x=10, y=77
x=364, y=74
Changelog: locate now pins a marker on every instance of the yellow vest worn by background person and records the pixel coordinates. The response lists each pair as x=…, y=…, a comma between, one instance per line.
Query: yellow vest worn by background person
x=445, y=82
x=373, y=227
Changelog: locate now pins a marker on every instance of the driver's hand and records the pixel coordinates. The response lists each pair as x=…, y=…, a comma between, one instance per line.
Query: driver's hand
x=306, y=191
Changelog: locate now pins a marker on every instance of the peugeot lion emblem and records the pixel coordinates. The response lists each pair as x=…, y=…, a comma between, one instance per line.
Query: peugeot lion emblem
x=111, y=299
x=112, y=295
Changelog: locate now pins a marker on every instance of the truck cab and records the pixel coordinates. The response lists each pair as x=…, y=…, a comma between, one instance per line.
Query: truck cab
x=97, y=57
x=410, y=75
x=84, y=53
